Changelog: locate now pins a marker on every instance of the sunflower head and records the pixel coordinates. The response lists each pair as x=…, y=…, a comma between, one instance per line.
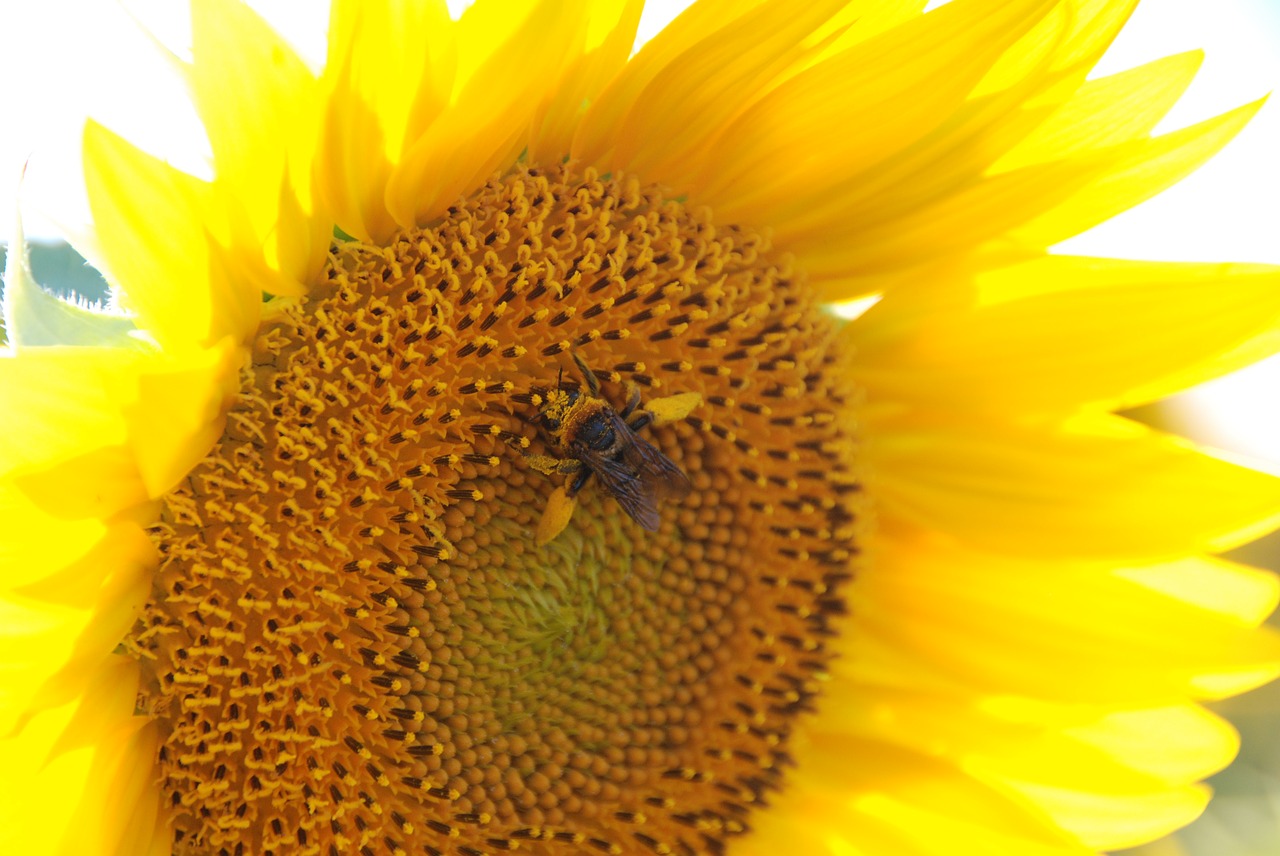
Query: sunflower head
x=372, y=513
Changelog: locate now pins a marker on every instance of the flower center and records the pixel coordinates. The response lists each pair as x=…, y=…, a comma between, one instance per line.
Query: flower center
x=356, y=642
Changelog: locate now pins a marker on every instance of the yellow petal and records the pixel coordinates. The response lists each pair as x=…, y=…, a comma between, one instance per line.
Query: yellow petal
x=840, y=117
x=1144, y=754
x=1139, y=170
x=54, y=796
x=1107, y=111
x=1135, y=331
x=35, y=544
x=851, y=25
x=1108, y=821
x=597, y=132
x=1013, y=127
x=946, y=215
x=689, y=102
x=57, y=632
x=70, y=399
x=1101, y=487
x=117, y=427
x=1237, y=591
x=151, y=226
x=1067, y=745
x=390, y=71
x=936, y=224
x=1178, y=743
x=852, y=796
x=1074, y=43
x=179, y=414
x=259, y=104
x=632, y=120
x=1026, y=88
x=934, y=616
x=610, y=33
x=486, y=125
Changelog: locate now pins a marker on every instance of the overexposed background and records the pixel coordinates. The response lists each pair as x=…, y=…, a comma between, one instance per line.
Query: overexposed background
x=61, y=60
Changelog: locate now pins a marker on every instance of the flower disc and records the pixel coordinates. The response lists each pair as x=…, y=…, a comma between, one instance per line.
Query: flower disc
x=352, y=599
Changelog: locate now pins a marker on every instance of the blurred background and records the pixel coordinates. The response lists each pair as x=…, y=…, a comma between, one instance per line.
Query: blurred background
x=66, y=59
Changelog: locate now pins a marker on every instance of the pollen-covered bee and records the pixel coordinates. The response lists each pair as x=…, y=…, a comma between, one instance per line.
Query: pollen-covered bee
x=597, y=440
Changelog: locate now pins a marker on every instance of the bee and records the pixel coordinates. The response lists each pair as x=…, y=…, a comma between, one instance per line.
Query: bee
x=598, y=440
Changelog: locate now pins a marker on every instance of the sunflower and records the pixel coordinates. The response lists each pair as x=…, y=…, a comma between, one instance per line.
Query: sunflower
x=475, y=462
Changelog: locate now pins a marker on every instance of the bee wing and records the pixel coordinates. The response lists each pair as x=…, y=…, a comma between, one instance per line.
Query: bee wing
x=640, y=477
x=660, y=473
x=622, y=481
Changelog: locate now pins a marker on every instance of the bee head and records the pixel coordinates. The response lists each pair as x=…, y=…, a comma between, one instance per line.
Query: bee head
x=559, y=403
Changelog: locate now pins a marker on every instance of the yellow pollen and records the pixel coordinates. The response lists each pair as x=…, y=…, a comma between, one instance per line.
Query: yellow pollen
x=360, y=642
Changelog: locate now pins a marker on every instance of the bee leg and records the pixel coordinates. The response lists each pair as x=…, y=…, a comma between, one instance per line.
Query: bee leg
x=593, y=384
x=542, y=463
x=633, y=400
x=579, y=482
x=549, y=466
x=641, y=420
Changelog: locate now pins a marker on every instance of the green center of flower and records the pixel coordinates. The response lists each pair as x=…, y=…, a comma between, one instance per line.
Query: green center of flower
x=356, y=642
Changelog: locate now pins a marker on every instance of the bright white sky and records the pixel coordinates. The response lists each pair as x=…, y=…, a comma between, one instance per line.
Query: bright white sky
x=64, y=59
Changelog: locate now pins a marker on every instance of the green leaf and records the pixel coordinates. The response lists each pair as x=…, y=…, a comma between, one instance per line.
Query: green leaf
x=35, y=318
